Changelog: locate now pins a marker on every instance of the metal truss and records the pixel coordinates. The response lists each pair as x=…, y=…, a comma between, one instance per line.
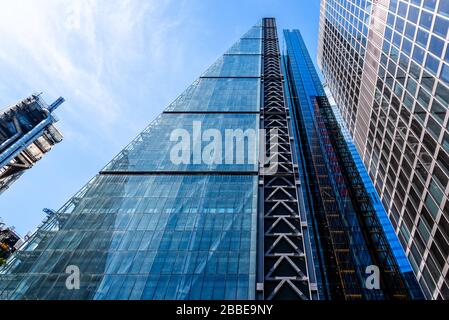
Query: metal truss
x=285, y=272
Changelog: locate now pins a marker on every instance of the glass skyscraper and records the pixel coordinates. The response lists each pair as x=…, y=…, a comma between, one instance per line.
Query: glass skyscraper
x=180, y=214
x=147, y=228
x=349, y=228
x=387, y=63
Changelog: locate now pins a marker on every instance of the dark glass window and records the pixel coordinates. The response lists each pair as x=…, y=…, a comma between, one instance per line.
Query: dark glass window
x=445, y=73
x=445, y=143
x=435, y=191
x=443, y=160
x=428, y=81
x=437, y=255
x=432, y=63
x=434, y=128
x=411, y=86
x=427, y=217
x=423, y=98
x=443, y=94
x=441, y=178
x=445, y=290
x=441, y=242
x=408, y=101
x=423, y=230
x=430, y=144
x=438, y=111
x=444, y=225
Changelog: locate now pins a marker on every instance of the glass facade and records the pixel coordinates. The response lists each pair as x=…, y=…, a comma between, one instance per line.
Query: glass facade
x=146, y=237
x=148, y=228
x=220, y=95
x=152, y=149
x=248, y=46
x=398, y=251
x=401, y=129
x=235, y=65
x=333, y=177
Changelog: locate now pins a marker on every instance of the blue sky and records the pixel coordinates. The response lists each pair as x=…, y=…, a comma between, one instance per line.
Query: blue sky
x=118, y=64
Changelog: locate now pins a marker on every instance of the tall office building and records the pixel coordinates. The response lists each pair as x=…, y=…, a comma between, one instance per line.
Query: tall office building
x=387, y=65
x=349, y=227
x=27, y=132
x=209, y=202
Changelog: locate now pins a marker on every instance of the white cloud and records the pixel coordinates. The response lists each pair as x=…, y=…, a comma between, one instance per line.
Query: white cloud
x=77, y=48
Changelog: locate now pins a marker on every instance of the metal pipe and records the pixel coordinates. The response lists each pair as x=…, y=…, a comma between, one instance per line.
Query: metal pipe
x=14, y=137
x=23, y=142
x=56, y=104
x=9, y=141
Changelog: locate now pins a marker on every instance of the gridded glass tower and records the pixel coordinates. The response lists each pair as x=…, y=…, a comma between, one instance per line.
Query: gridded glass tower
x=349, y=229
x=387, y=65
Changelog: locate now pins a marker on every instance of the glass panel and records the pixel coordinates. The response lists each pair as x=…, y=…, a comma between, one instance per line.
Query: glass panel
x=158, y=148
x=436, y=46
x=442, y=93
x=134, y=233
x=246, y=46
x=186, y=232
x=441, y=26
x=445, y=73
x=444, y=7
x=426, y=20
x=255, y=32
x=235, y=66
x=220, y=95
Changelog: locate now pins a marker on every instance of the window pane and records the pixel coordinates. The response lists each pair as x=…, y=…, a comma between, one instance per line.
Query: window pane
x=441, y=26
x=444, y=7
x=436, y=46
